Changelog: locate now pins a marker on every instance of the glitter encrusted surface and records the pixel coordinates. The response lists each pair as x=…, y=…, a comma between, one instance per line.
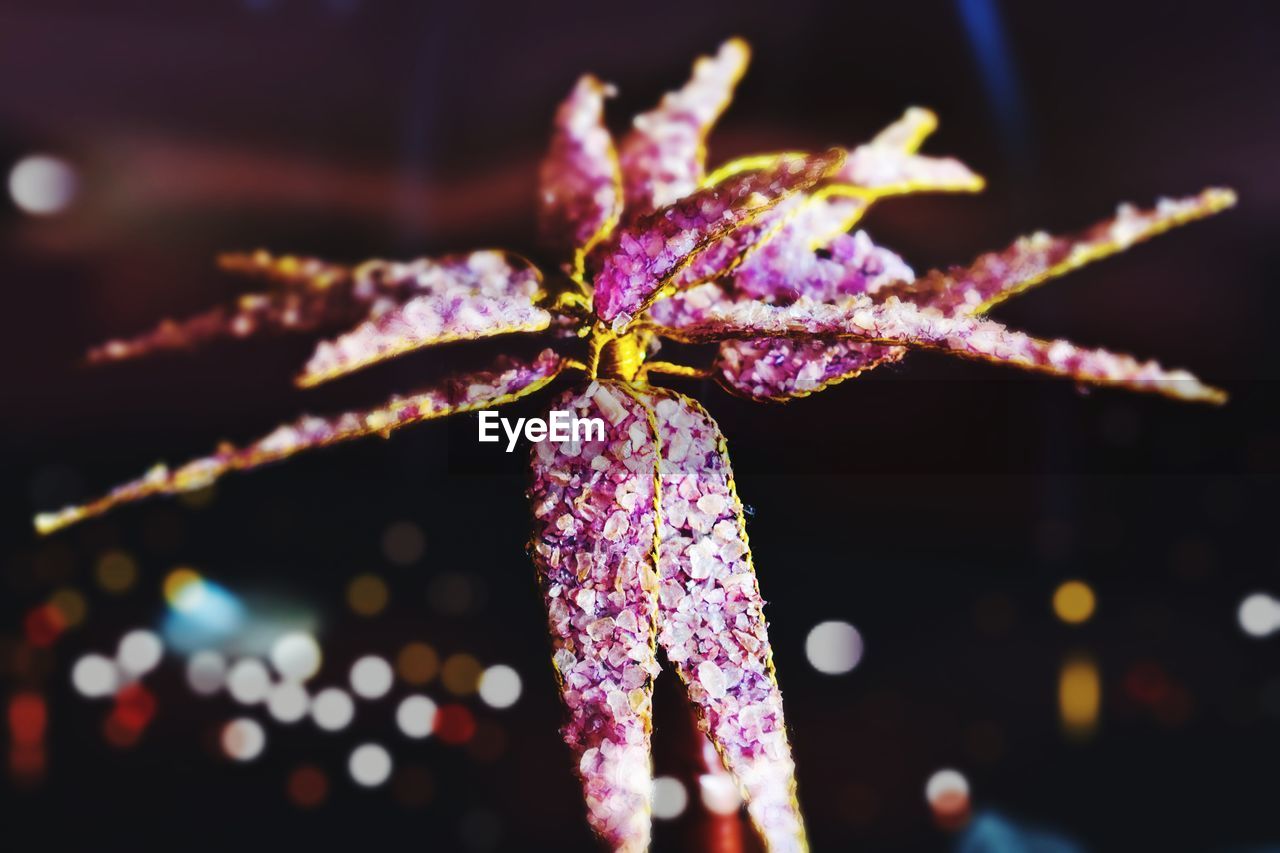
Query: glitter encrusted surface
x=996, y=276
x=711, y=616
x=642, y=257
x=898, y=323
x=593, y=542
x=463, y=298
x=663, y=157
x=509, y=379
x=579, y=194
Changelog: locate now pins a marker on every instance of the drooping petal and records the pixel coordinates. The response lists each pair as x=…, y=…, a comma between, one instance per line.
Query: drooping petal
x=286, y=311
x=466, y=297
x=508, y=380
x=580, y=185
x=297, y=271
x=664, y=156
x=996, y=276
x=713, y=628
x=644, y=257
x=896, y=323
x=594, y=508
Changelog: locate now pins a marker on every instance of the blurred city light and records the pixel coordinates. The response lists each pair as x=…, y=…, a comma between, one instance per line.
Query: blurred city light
x=500, y=686
x=248, y=682
x=42, y=185
x=206, y=672
x=139, y=652
x=833, y=648
x=1079, y=696
x=243, y=739
x=288, y=702
x=332, y=709
x=370, y=765
x=416, y=716
x=1074, y=602
x=669, y=797
x=1259, y=615
x=95, y=676
x=947, y=793
x=417, y=663
x=296, y=656
x=371, y=677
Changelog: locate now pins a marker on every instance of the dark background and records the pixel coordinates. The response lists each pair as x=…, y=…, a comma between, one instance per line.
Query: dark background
x=936, y=506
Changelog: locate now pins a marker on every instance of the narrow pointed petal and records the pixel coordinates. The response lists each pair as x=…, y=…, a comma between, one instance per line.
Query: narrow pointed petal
x=253, y=314
x=580, y=185
x=646, y=256
x=664, y=156
x=480, y=295
x=781, y=369
x=508, y=380
x=996, y=276
x=897, y=323
x=295, y=271
x=713, y=628
x=595, y=511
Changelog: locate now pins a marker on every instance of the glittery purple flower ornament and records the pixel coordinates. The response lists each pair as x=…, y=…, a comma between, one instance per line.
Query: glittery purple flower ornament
x=639, y=537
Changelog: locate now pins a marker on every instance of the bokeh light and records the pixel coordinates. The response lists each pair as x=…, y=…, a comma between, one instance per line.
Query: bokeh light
x=139, y=652
x=332, y=709
x=288, y=702
x=403, y=543
x=42, y=185
x=669, y=797
x=183, y=589
x=371, y=677
x=248, y=682
x=307, y=787
x=71, y=606
x=243, y=739
x=833, y=648
x=461, y=674
x=947, y=793
x=454, y=724
x=1259, y=615
x=416, y=716
x=500, y=686
x=367, y=595
x=116, y=571
x=719, y=794
x=95, y=676
x=417, y=663
x=370, y=765
x=1079, y=696
x=206, y=672
x=296, y=656
x=1074, y=602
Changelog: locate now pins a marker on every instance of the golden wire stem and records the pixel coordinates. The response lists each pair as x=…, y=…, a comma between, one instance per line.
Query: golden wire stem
x=669, y=368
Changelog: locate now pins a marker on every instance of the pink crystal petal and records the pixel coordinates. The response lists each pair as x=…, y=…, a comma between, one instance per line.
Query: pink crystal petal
x=663, y=157
x=713, y=628
x=508, y=380
x=898, y=323
x=593, y=543
x=480, y=295
x=579, y=195
x=642, y=258
x=1031, y=260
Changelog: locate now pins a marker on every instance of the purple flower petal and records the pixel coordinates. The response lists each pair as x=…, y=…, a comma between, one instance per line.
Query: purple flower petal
x=711, y=615
x=1031, y=260
x=663, y=157
x=580, y=191
x=508, y=380
x=896, y=323
x=642, y=258
x=593, y=542
x=466, y=297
